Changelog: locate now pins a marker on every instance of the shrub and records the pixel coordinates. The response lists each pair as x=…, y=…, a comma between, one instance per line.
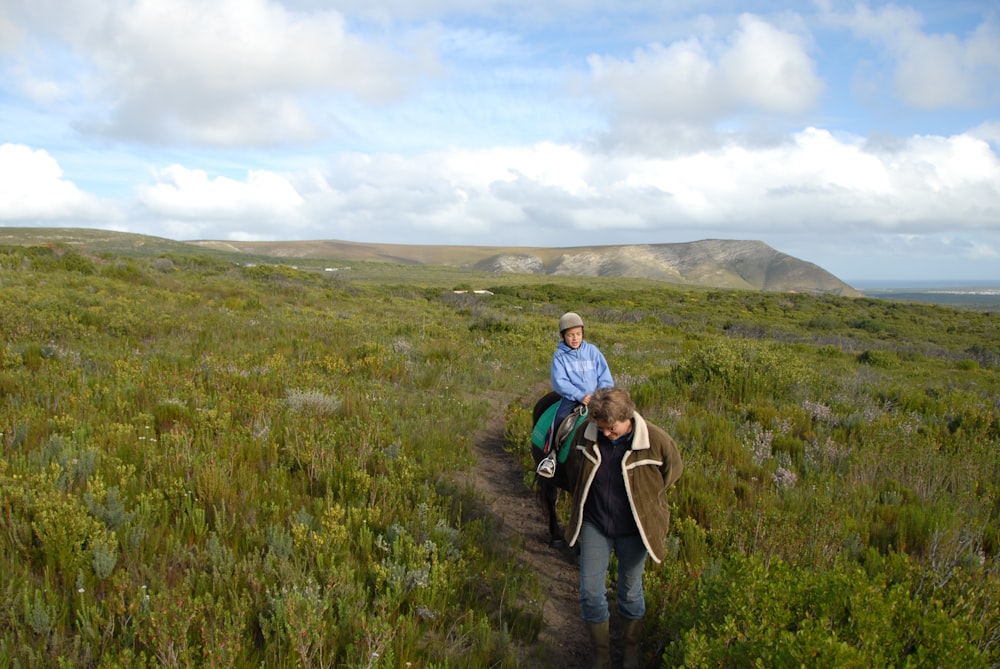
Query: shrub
x=742, y=370
x=824, y=322
x=871, y=325
x=750, y=613
x=874, y=358
x=794, y=449
x=190, y=446
x=74, y=262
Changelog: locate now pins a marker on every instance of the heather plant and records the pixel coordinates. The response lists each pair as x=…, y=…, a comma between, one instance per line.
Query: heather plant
x=223, y=464
x=850, y=615
x=823, y=457
x=204, y=426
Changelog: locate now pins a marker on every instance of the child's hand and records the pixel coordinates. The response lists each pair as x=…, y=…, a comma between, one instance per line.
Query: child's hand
x=586, y=399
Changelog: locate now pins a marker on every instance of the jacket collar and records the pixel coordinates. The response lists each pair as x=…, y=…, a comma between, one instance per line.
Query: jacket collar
x=640, y=440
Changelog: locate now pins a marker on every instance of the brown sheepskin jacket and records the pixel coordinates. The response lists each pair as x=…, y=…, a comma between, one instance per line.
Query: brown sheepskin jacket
x=652, y=466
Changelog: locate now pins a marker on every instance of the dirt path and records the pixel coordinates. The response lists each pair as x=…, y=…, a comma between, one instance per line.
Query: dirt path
x=563, y=642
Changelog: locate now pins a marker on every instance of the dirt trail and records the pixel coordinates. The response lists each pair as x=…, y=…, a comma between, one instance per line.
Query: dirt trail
x=563, y=642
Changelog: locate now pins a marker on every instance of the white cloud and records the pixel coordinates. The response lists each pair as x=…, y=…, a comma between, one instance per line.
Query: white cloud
x=231, y=72
x=291, y=120
x=182, y=193
x=32, y=189
x=988, y=132
x=932, y=70
x=944, y=71
x=10, y=34
x=843, y=189
x=769, y=69
x=555, y=194
x=241, y=45
x=669, y=82
x=982, y=251
x=546, y=163
x=41, y=91
x=761, y=67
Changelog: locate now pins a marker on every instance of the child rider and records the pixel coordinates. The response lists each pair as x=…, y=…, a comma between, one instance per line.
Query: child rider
x=578, y=369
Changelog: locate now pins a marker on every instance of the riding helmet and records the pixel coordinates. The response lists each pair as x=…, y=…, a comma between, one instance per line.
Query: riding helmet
x=569, y=320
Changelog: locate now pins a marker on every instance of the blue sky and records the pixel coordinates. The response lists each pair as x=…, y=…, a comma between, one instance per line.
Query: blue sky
x=860, y=136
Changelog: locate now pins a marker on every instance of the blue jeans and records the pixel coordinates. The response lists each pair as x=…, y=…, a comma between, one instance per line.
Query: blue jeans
x=566, y=405
x=595, y=556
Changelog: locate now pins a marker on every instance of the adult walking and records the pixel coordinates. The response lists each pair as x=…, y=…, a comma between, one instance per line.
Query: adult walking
x=620, y=505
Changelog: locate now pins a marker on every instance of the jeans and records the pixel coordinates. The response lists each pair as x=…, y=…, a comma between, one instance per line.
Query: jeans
x=595, y=556
x=566, y=405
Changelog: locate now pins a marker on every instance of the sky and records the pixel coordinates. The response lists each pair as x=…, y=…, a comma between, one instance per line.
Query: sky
x=863, y=136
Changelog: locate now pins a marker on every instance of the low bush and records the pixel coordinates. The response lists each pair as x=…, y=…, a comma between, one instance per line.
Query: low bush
x=207, y=463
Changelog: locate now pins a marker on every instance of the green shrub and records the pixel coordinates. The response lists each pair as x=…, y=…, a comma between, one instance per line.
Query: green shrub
x=750, y=613
x=824, y=322
x=871, y=325
x=742, y=370
x=32, y=356
x=74, y=262
x=201, y=460
x=125, y=271
x=791, y=447
x=873, y=358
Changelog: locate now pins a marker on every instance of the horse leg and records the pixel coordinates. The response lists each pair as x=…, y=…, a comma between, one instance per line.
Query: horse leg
x=547, y=490
x=550, y=494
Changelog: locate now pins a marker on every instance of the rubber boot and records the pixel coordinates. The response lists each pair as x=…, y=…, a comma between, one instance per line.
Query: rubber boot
x=599, y=635
x=631, y=632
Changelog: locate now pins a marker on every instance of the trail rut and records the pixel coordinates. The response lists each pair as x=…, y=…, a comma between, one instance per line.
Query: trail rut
x=563, y=642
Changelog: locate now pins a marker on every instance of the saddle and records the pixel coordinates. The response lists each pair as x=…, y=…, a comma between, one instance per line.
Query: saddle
x=546, y=435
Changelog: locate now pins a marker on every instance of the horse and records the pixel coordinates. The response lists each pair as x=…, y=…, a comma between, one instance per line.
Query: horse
x=564, y=479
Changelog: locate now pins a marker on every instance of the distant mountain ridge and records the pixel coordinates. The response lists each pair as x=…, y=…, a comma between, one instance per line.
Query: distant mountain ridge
x=712, y=263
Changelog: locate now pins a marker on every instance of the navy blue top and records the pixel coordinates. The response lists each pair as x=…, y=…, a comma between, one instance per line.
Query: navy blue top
x=607, y=504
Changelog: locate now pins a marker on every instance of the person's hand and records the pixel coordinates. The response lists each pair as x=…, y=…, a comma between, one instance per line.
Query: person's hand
x=586, y=399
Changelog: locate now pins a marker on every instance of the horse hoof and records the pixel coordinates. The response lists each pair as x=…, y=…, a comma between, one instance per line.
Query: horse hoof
x=558, y=543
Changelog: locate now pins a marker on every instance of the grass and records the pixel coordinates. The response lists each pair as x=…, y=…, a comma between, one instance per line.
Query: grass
x=215, y=464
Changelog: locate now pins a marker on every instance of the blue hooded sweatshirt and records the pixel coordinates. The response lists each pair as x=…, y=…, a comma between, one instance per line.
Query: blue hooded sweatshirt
x=579, y=372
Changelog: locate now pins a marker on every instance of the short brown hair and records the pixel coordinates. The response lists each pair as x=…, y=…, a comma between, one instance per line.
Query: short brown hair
x=610, y=405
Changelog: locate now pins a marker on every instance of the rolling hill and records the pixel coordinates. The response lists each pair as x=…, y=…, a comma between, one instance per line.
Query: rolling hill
x=714, y=263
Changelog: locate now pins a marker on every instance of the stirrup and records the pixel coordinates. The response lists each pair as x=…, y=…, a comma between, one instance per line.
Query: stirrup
x=546, y=468
x=569, y=422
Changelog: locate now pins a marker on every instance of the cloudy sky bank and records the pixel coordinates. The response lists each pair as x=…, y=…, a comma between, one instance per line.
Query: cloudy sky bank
x=861, y=136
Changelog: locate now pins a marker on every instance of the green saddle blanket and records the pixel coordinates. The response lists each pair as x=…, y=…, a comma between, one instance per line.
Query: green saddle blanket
x=540, y=435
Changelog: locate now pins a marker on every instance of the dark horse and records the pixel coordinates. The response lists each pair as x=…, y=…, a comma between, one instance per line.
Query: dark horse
x=564, y=479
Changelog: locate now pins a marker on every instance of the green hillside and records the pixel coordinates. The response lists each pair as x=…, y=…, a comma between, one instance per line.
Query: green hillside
x=212, y=463
x=713, y=263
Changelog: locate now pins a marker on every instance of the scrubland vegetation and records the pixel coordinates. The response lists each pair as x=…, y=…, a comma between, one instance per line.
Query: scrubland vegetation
x=213, y=465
